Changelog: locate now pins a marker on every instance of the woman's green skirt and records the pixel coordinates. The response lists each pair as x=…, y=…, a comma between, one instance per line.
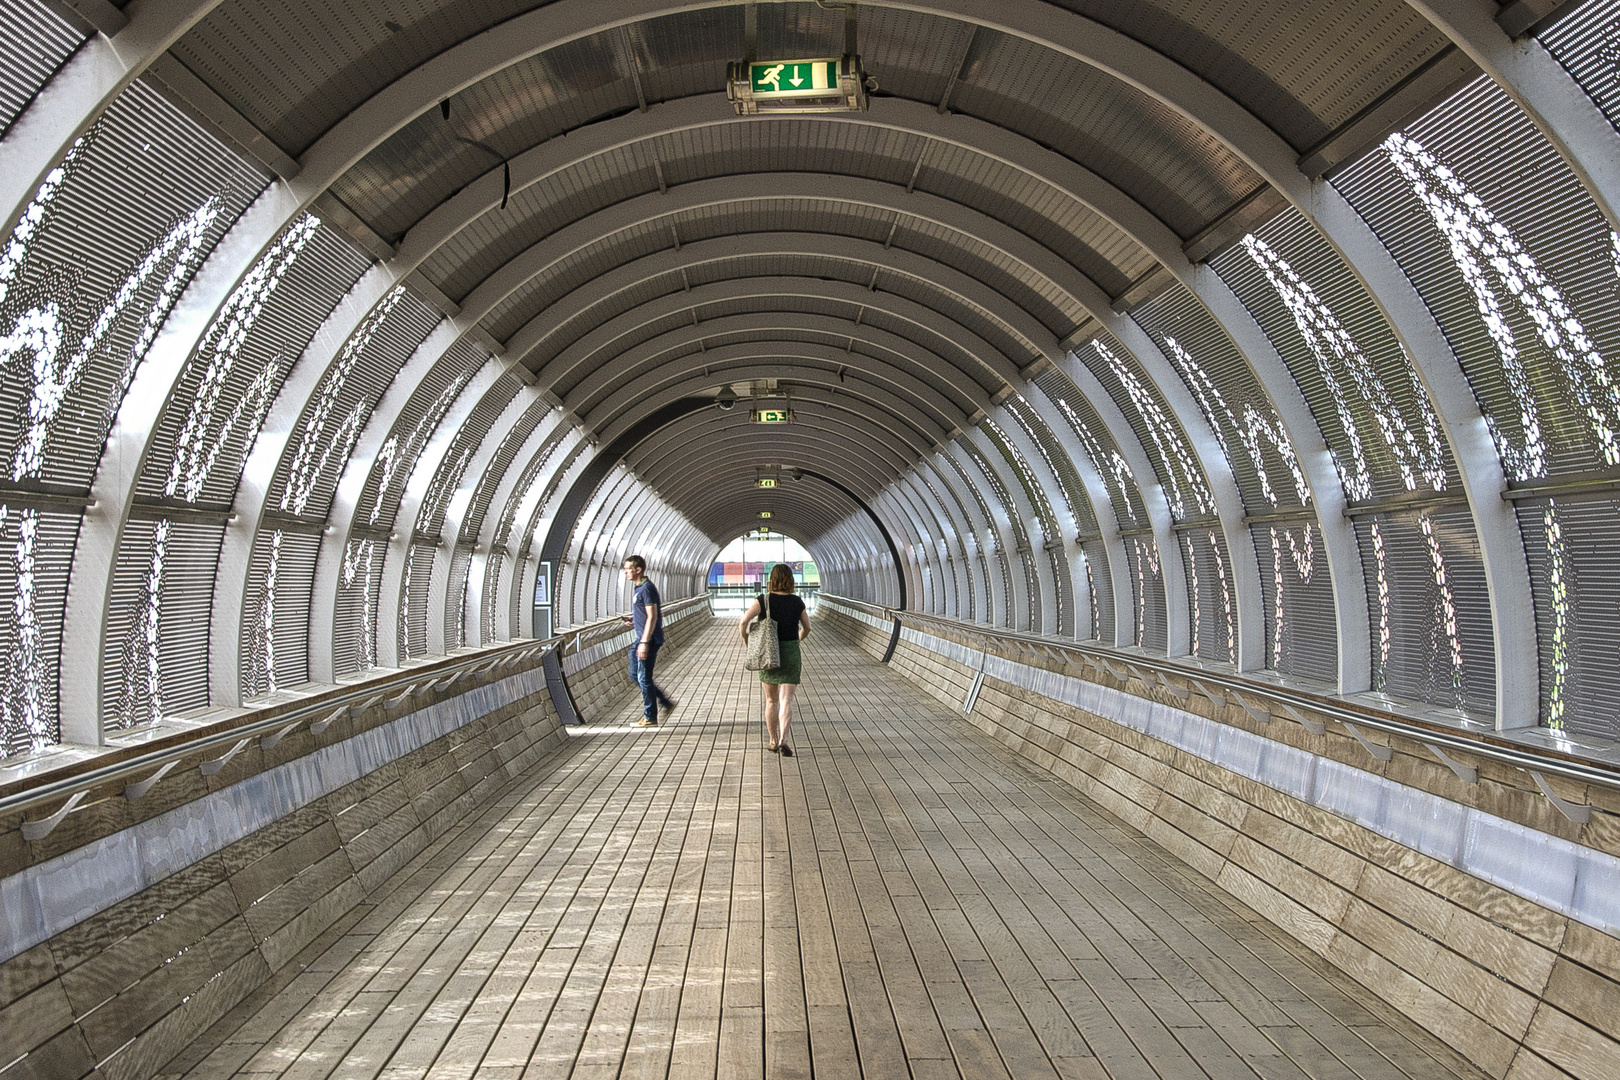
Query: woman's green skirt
x=788, y=672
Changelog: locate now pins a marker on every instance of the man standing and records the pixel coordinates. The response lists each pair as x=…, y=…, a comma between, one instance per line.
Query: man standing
x=649, y=625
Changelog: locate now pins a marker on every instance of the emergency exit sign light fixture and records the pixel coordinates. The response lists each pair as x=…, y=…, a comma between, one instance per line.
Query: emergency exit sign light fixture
x=771, y=416
x=765, y=482
x=826, y=84
x=764, y=513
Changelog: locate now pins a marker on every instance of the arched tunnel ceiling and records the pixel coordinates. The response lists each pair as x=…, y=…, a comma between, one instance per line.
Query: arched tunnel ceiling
x=558, y=235
x=916, y=236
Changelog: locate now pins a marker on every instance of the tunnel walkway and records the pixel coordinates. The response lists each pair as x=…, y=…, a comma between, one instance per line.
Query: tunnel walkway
x=902, y=898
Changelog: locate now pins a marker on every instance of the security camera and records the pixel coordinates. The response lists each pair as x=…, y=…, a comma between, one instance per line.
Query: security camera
x=726, y=398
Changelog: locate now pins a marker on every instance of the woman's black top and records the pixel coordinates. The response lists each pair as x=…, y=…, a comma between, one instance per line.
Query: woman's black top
x=785, y=609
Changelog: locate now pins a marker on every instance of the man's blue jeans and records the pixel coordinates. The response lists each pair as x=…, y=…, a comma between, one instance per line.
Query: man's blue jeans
x=641, y=673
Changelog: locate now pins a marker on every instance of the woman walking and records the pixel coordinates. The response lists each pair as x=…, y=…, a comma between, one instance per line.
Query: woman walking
x=792, y=627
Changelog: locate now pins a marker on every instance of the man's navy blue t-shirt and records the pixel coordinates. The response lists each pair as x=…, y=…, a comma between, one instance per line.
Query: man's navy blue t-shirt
x=647, y=596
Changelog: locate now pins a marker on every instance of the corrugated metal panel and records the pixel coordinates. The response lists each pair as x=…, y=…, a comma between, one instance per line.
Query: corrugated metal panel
x=448, y=478
x=455, y=603
x=951, y=548
x=492, y=589
x=1571, y=545
x=34, y=43
x=1303, y=68
x=513, y=313
x=989, y=547
x=511, y=442
x=412, y=615
x=227, y=385
x=1100, y=586
x=1429, y=610
x=275, y=627
x=362, y=370
x=37, y=547
x=1070, y=487
x=1211, y=607
x=354, y=635
x=1372, y=410
x=1117, y=478
x=156, y=645
x=533, y=473
x=1586, y=42
x=519, y=611
x=414, y=428
x=1051, y=539
x=1181, y=172
x=1150, y=622
x=141, y=202
x=1465, y=191
x=246, y=52
x=1297, y=593
x=1022, y=548
x=1236, y=407
x=1033, y=292
x=1157, y=428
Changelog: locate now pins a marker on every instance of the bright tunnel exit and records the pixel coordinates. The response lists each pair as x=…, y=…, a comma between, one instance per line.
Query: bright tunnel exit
x=741, y=567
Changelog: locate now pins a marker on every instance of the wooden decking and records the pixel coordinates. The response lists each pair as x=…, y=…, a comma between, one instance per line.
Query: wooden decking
x=902, y=898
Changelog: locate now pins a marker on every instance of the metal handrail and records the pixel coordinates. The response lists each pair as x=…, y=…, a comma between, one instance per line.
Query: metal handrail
x=273, y=720
x=1487, y=745
x=575, y=636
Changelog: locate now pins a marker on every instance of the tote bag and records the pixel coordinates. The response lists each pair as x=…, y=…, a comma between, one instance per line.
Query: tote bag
x=764, y=648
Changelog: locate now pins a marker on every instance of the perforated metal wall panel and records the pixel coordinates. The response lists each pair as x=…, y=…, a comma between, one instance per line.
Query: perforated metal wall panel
x=354, y=634
x=1212, y=610
x=1297, y=593
x=954, y=551
x=338, y=410
x=34, y=42
x=112, y=239
x=451, y=471
x=1372, y=410
x=1587, y=42
x=1070, y=488
x=1150, y=623
x=413, y=613
x=414, y=428
x=989, y=548
x=493, y=566
x=221, y=397
x=1429, y=610
x=455, y=604
x=275, y=625
x=1571, y=544
x=1100, y=447
x=156, y=645
x=1054, y=568
x=36, y=552
x=1236, y=407
x=1022, y=550
x=1516, y=262
x=511, y=442
x=1099, y=584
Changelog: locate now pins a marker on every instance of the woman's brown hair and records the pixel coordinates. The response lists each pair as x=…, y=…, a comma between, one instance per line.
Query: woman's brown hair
x=781, y=578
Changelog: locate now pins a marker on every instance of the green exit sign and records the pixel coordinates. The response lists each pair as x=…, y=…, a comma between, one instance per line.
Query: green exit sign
x=821, y=84
x=765, y=482
x=792, y=76
x=771, y=416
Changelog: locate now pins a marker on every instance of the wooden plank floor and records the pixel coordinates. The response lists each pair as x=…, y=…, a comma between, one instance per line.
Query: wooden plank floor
x=902, y=898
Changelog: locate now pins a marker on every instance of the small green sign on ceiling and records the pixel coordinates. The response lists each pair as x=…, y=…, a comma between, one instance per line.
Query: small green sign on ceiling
x=821, y=84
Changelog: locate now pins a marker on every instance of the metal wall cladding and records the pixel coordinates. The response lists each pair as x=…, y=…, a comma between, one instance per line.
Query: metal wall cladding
x=491, y=585
x=1182, y=173
x=343, y=401
x=1099, y=585
x=684, y=54
x=1325, y=294
x=34, y=43
x=283, y=319
x=37, y=547
x=1051, y=537
x=1157, y=428
x=413, y=429
x=275, y=621
x=1031, y=291
x=144, y=198
x=1124, y=494
x=534, y=472
x=511, y=442
x=452, y=470
x=513, y=314
x=1149, y=619
x=989, y=547
x=279, y=67
x=1285, y=60
x=1586, y=43
x=1070, y=487
x=1302, y=639
x=155, y=650
x=412, y=614
x=1571, y=544
x=1429, y=609
x=354, y=632
x=455, y=602
x=1211, y=607
x=1230, y=397
x=1465, y=192
x=495, y=119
